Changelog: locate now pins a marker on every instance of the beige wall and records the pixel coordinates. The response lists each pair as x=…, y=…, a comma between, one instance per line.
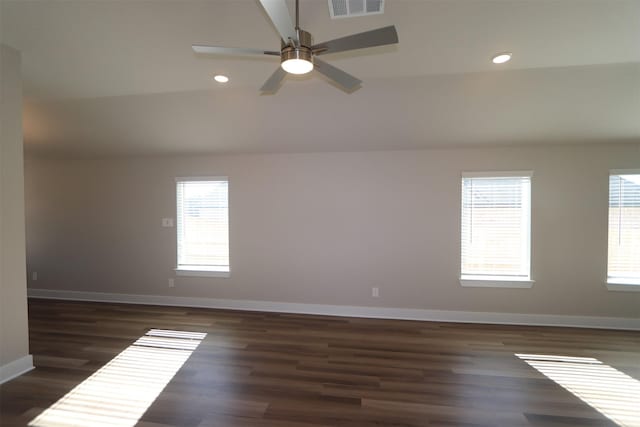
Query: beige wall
x=14, y=336
x=325, y=228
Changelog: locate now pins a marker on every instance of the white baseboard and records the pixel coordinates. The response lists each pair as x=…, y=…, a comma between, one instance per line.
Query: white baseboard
x=16, y=368
x=350, y=311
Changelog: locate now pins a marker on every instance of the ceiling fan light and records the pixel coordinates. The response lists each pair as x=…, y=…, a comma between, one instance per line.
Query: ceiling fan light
x=297, y=66
x=296, y=60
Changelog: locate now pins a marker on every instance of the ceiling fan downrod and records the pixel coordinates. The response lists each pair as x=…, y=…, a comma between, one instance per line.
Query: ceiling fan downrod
x=297, y=57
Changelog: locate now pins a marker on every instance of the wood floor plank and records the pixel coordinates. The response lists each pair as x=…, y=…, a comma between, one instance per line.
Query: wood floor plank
x=257, y=369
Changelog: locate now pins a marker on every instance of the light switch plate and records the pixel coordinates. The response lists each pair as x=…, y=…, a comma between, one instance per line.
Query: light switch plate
x=167, y=222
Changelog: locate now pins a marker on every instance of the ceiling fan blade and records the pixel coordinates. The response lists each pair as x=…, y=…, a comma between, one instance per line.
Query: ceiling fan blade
x=279, y=14
x=379, y=37
x=339, y=77
x=273, y=83
x=219, y=50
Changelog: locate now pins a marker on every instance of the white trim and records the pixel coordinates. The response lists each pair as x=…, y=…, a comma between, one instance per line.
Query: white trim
x=620, y=284
x=201, y=273
x=526, y=212
x=16, y=368
x=200, y=270
x=497, y=174
x=623, y=287
x=496, y=282
x=633, y=281
x=201, y=178
x=624, y=171
x=350, y=311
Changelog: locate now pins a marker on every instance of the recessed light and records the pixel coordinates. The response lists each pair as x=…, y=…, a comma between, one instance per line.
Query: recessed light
x=501, y=58
x=220, y=78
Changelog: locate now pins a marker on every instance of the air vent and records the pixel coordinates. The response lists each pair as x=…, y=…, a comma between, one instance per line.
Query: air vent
x=351, y=8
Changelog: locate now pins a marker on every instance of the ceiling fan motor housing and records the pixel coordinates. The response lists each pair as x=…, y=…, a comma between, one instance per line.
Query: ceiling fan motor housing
x=302, y=51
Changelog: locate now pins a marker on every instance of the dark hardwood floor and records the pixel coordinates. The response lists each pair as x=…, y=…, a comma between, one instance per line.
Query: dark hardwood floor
x=285, y=370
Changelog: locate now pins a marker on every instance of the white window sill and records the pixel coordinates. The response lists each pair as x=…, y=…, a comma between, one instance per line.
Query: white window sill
x=202, y=272
x=624, y=285
x=495, y=282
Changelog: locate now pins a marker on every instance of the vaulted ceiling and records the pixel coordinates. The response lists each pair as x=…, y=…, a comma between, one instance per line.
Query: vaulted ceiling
x=119, y=77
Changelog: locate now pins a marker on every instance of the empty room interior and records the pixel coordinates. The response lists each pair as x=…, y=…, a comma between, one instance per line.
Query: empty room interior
x=319, y=213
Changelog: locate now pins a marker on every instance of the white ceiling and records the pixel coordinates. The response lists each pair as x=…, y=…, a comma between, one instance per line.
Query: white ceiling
x=105, y=77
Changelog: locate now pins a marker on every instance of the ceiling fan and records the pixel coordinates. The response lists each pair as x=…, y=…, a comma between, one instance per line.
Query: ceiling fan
x=298, y=54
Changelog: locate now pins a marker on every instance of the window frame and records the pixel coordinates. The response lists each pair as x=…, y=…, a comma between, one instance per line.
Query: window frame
x=202, y=271
x=618, y=284
x=498, y=281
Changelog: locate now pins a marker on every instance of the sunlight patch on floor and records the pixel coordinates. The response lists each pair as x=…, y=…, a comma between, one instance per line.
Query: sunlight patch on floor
x=609, y=391
x=120, y=392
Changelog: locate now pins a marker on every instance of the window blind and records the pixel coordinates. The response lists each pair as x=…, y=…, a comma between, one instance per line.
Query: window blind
x=496, y=212
x=624, y=228
x=203, y=224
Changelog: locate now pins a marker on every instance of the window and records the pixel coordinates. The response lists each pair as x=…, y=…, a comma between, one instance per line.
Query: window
x=496, y=218
x=203, y=226
x=624, y=228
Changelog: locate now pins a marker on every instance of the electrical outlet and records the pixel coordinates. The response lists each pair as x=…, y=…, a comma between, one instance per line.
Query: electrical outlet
x=172, y=282
x=34, y=275
x=375, y=292
x=167, y=222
